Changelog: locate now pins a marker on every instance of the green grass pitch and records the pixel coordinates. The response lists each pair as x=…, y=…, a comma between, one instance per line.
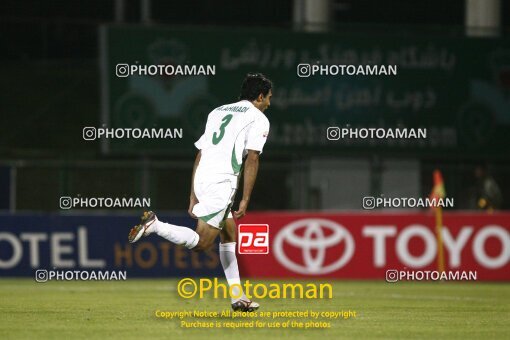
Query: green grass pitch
x=126, y=310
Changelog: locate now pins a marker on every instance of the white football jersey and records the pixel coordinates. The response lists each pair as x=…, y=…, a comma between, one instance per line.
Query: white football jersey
x=231, y=131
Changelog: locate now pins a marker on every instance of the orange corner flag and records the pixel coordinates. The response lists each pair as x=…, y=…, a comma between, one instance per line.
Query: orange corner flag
x=438, y=188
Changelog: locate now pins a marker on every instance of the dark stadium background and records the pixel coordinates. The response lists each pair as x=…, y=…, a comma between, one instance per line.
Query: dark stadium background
x=51, y=89
x=58, y=75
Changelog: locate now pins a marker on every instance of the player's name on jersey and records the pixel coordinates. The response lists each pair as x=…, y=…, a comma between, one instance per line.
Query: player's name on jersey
x=233, y=108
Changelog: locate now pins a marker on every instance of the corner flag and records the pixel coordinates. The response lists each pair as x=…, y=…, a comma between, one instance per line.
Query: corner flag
x=438, y=192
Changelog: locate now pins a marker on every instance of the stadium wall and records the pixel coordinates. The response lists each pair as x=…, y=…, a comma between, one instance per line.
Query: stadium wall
x=301, y=245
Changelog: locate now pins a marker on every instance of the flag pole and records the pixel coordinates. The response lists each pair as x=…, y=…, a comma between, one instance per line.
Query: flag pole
x=438, y=193
x=439, y=235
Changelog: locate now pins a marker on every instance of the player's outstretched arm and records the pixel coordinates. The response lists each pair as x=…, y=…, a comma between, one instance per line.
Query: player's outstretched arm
x=192, y=197
x=251, y=167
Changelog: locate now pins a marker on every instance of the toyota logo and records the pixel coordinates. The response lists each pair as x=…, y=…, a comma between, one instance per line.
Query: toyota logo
x=312, y=239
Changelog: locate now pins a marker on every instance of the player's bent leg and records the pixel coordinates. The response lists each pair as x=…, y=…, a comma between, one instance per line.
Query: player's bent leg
x=207, y=235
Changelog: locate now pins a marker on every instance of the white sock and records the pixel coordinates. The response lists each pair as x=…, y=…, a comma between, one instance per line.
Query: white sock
x=175, y=234
x=229, y=263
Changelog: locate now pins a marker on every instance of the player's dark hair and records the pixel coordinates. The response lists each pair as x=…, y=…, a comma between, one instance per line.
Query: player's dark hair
x=253, y=85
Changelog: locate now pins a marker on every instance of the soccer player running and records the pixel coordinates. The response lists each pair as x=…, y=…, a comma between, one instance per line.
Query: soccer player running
x=234, y=137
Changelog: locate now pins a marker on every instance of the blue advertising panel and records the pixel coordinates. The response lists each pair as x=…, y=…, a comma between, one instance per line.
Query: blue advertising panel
x=50, y=241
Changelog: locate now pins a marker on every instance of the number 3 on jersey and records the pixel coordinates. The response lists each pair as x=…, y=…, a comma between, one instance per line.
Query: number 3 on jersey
x=225, y=121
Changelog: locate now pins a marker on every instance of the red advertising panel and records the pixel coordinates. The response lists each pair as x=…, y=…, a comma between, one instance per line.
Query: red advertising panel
x=366, y=245
x=253, y=239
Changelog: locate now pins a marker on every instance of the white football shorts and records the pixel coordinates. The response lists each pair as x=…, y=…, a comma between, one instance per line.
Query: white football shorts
x=214, y=201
